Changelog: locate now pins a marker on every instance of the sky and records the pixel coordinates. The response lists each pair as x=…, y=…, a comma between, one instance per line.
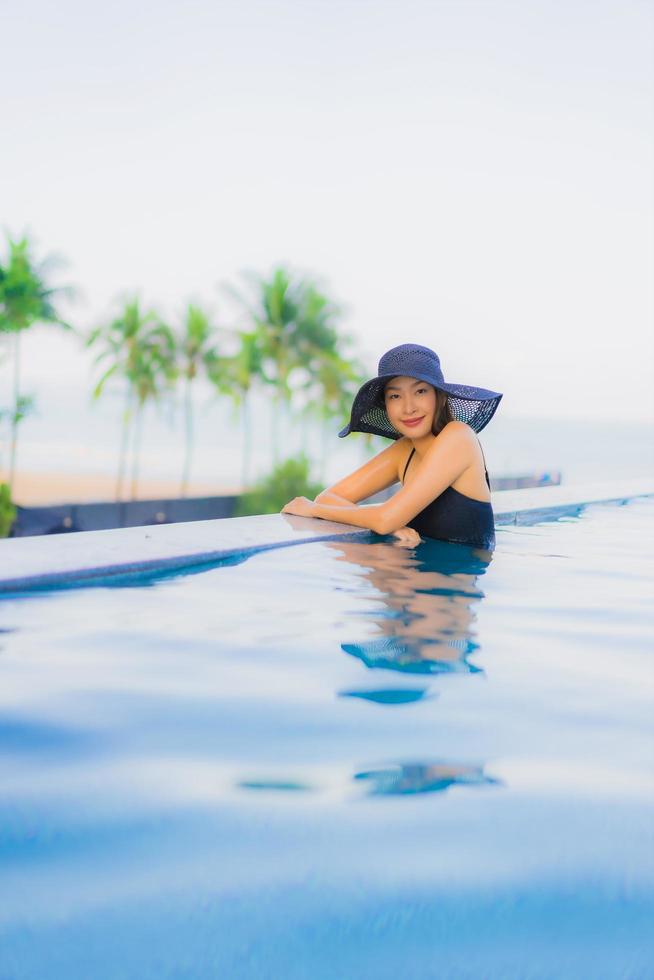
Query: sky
x=472, y=175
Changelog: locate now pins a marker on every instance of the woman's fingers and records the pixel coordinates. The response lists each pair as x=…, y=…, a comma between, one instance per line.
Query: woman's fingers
x=299, y=506
x=407, y=536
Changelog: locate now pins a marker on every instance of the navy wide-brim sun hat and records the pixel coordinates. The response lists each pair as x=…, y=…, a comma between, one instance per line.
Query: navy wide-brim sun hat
x=475, y=406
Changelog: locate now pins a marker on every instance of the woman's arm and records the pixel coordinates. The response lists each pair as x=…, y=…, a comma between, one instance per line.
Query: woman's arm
x=377, y=474
x=451, y=452
x=405, y=535
x=340, y=502
x=327, y=497
x=449, y=455
x=360, y=515
x=366, y=515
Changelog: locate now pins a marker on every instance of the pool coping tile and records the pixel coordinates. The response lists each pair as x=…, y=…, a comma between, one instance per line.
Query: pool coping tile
x=85, y=557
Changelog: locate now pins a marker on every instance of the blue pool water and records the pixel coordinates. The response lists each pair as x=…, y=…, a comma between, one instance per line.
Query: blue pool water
x=345, y=759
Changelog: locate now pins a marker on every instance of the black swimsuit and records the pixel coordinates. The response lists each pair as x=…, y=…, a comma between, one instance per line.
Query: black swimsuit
x=454, y=517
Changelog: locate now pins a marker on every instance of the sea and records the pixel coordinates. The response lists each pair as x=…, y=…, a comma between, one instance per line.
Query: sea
x=68, y=432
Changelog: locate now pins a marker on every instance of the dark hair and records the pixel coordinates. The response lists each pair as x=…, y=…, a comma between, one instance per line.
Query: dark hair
x=442, y=415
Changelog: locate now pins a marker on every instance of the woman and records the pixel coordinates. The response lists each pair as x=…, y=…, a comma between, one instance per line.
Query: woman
x=435, y=454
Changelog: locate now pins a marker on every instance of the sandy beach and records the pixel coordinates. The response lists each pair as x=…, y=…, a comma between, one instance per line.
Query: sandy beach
x=40, y=489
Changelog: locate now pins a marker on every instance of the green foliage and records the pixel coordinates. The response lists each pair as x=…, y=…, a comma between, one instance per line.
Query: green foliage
x=288, y=479
x=296, y=348
x=197, y=354
x=137, y=347
x=25, y=406
x=293, y=323
x=332, y=384
x=7, y=511
x=234, y=375
x=25, y=297
x=195, y=347
x=290, y=341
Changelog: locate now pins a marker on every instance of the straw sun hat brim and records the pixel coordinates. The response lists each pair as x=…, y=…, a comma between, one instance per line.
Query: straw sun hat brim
x=474, y=406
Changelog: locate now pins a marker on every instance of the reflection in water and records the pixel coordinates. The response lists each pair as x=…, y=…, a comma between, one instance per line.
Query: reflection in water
x=418, y=777
x=283, y=785
x=405, y=695
x=428, y=596
x=5, y=630
x=424, y=656
x=393, y=779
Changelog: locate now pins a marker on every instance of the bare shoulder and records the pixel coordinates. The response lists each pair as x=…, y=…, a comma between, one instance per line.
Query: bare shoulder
x=457, y=426
x=456, y=439
x=401, y=449
x=396, y=451
x=456, y=431
x=378, y=473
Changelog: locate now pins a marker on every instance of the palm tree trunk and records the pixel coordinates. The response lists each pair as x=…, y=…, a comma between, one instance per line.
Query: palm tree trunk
x=304, y=429
x=122, y=455
x=275, y=429
x=323, y=449
x=14, y=416
x=283, y=429
x=136, y=449
x=188, y=447
x=247, y=445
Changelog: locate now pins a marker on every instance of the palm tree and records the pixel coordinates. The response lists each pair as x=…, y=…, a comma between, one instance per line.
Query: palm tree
x=316, y=347
x=334, y=383
x=140, y=348
x=292, y=320
x=274, y=317
x=196, y=354
x=25, y=299
x=155, y=374
x=235, y=376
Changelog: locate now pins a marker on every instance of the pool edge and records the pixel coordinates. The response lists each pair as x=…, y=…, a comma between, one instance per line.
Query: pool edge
x=87, y=557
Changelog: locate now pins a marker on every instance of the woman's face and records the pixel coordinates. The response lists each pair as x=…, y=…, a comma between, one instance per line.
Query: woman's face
x=409, y=401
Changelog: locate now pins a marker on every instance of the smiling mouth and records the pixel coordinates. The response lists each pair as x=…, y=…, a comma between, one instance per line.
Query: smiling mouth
x=413, y=421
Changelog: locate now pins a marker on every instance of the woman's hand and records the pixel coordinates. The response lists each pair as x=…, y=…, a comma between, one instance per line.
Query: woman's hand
x=300, y=506
x=407, y=537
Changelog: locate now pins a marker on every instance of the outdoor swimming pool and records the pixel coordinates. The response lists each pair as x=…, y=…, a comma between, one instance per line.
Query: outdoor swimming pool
x=344, y=759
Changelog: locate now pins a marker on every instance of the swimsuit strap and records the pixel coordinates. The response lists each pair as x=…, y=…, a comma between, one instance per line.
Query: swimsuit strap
x=482, y=456
x=407, y=462
x=485, y=470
